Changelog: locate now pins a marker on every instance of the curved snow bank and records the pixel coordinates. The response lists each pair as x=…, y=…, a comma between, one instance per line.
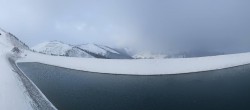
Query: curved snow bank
x=143, y=66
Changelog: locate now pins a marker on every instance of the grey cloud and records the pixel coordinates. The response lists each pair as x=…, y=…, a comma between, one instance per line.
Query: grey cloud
x=164, y=24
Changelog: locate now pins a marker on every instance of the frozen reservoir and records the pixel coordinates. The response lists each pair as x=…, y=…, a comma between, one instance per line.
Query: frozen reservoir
x=67, y=89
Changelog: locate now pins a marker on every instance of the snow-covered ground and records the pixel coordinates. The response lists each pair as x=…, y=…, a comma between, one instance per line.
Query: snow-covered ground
x=14, y=93
x=142, y=66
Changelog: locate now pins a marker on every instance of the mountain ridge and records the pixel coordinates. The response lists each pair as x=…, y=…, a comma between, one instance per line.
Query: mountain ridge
x=88, y=50
x=10, y=40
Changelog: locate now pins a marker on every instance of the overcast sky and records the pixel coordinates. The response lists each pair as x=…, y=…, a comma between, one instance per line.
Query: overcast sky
x=169, y=24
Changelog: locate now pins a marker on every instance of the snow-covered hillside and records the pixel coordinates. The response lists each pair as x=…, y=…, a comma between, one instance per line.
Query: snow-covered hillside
x=14, y=94
x=97, y=49
x=85, y=50
x=60, y=49
x=9, y=40
x=101, y=51
x=53, y=47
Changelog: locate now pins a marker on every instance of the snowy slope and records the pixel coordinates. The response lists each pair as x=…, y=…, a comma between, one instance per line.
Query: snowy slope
x=60, y=48
x=101, y=51
x=108, y=49
x=143, y=66
x=86, y=50
x=53, y=47
x=12, y=93
x=93, y=48
x=77, y=52
x=9, y=40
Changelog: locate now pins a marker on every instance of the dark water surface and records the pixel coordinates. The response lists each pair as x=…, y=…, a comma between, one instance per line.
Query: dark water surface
x=227, y=89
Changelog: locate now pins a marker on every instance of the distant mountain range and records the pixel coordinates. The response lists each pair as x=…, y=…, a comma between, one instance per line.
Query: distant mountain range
x=84, y=50
x=58, y=48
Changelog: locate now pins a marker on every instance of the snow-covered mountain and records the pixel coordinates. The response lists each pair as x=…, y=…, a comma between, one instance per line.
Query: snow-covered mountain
x=85, y=50
x=101, y=51
x=15, y=87
x=53, y=47
x=9, y=40
x=97, y=51
x=60, y=49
